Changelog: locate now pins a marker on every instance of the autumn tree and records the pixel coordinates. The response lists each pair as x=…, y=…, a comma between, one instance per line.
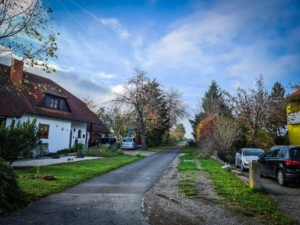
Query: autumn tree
x=253, y=108
x=178, y=133
x=26, y=30
x=117, y=121
x=212, y=103
x=205, y=133
x=140, y=97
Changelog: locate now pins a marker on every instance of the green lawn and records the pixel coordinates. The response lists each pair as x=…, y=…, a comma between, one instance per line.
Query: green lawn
x=67, y=175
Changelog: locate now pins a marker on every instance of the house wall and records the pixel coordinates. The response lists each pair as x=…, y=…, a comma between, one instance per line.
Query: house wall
x=293, y=110
x=294, y=134
x=59, y=131
x=76, y=136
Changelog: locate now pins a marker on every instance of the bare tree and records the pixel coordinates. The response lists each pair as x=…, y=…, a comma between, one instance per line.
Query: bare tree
x=177, y=109
x=90, y=103
x=144, y=98
x=226, y=132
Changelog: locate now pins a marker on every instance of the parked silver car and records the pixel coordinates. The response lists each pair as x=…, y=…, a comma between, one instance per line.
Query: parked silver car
x=129, y=143
x=245, y=155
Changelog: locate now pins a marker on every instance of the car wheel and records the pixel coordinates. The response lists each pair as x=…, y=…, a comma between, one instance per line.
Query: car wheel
x=281, y=178
x=242, y=167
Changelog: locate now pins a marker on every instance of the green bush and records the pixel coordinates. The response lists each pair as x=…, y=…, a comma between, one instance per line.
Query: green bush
x=78, y=147
x=65, y=151
x=103, y=151
x=10, y=194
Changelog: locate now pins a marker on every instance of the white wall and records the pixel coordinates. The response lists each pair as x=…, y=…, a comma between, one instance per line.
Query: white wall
x=75, y=126
x=59, y=131
x=294, y=118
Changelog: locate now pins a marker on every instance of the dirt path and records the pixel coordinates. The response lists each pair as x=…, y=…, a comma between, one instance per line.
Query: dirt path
x=165, y=204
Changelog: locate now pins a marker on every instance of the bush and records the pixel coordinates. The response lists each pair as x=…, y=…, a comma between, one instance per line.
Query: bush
x=41, y=149
x=78, y=147
x=103, y=151
x=65, y=151
x=227, y=156
x=10, y=194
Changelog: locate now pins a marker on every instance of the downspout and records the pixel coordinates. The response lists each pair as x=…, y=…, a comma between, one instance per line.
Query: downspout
x=91, y=131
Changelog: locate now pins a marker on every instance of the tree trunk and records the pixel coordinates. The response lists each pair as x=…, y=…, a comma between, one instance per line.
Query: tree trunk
x=144, y=145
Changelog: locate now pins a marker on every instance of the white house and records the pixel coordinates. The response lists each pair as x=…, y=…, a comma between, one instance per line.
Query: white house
x=63, y=118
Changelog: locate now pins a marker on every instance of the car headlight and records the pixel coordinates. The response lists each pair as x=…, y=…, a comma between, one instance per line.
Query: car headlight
x=246, y=161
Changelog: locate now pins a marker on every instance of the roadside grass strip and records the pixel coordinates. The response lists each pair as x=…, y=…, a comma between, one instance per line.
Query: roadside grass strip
x=187, y=168
x=253, y=202
x=66, y=175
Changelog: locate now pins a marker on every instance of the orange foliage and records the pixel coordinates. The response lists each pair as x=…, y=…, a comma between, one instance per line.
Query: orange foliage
x=205, y=128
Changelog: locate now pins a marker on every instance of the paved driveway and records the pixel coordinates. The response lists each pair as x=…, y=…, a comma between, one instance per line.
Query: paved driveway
x=287, y=198
x=113, y=198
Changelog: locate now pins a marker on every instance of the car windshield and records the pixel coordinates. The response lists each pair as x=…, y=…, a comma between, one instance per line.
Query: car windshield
x=295, y=153
x=253, y=152
x=127, y=139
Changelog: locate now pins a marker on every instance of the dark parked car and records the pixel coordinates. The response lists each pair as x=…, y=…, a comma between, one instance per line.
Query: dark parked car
x=281, y=162
x=102, y=141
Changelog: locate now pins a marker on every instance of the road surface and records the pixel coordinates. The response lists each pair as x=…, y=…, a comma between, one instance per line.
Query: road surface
x=113, y=198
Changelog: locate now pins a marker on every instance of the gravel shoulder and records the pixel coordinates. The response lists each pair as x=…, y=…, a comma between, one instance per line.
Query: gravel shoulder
x=165, y=204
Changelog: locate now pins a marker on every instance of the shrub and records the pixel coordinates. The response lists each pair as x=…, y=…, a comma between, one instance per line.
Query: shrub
x=41, y=149
x=264, y=140
x=78, y=147
x=103, y=151
x=18, y=139
x=64, y=151
x=227, y=156
x=10, y=194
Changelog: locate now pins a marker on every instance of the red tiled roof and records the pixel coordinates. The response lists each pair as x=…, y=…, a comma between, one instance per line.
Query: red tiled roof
x=295, y=94
x=15, y=103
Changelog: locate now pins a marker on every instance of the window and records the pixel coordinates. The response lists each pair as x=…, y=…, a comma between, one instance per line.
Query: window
x=79, y=134
x=54, y=102
x=44, y=130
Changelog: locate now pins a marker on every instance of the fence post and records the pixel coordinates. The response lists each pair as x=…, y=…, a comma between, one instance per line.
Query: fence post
x=254, y=175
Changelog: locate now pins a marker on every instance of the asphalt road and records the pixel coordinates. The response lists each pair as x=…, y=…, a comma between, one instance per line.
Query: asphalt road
x=113, y=198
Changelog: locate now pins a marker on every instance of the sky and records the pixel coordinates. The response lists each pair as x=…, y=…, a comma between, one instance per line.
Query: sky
x=183, y=44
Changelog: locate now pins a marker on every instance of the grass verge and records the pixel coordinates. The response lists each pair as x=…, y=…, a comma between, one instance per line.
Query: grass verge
x=187, y=169
x=66, y=175
x=252, y=202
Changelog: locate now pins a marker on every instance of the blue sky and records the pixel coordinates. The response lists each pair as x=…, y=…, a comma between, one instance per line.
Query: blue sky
x=183, y=44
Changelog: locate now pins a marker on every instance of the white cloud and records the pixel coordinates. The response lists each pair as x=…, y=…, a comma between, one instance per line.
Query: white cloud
x=116, y=26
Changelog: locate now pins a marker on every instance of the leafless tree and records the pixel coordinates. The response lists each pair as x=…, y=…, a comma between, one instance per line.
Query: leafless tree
x=177, y=109
x=226, y=132
x=90, y=103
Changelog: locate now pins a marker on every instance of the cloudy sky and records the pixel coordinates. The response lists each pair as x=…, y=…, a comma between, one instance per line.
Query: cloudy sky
x=183, y=44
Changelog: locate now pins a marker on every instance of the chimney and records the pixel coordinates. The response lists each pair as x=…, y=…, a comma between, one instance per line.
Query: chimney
x=16, y=70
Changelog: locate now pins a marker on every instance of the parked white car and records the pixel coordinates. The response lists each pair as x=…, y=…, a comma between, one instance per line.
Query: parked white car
x=129, y=143
x=245, y=155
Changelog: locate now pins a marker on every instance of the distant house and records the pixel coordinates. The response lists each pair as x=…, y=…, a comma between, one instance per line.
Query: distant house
x=293, y=114
x=63, y=118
